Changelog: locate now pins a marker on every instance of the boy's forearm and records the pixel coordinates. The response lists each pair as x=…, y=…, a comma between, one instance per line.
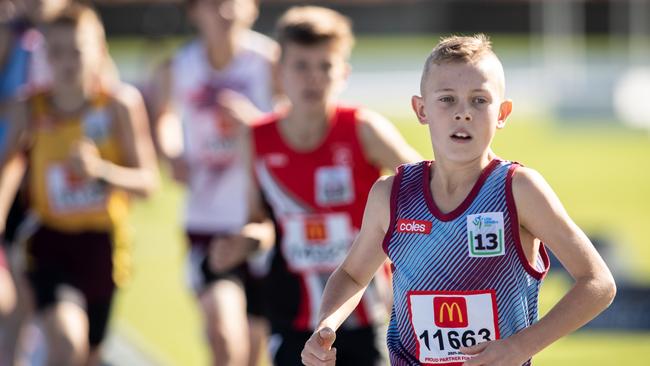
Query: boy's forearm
x=140, y=181
x=586, y=299
x=341, y=296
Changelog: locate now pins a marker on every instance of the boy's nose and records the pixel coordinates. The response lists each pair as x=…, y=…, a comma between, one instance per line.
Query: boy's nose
x=460, y=116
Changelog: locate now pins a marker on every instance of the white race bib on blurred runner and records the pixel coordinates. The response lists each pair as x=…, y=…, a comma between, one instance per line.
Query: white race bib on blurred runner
x=316, y=242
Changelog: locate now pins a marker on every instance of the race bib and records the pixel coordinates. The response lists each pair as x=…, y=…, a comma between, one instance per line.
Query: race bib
x=210, y=141
x=334, y=185
x=485, y=234
x=316, y=242
x=69, y=193
x=445, y=321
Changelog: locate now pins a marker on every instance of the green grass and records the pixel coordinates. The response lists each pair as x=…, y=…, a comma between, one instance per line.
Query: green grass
x=600, y=173
x=156, y=303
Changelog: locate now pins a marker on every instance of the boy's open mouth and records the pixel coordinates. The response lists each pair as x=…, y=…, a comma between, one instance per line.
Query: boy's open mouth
x=461, y=136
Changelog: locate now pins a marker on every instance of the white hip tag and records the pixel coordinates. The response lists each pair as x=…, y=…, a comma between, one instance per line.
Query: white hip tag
x=444, y=321
x=69, y=193
x=317, y=242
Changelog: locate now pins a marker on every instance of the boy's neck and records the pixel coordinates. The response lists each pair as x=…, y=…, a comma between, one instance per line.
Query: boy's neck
x=222, y=50
x=305, y=129
x=450, y=176
x=70, y=99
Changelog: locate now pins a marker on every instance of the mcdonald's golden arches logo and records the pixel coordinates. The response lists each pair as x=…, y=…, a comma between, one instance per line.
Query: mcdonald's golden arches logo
x=315, y=229
x=450, y=312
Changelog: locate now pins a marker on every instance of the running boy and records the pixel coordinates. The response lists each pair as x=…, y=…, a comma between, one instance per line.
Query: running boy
x=464, y=234
x=212, y=88
x=88, y=148
x=315, y=163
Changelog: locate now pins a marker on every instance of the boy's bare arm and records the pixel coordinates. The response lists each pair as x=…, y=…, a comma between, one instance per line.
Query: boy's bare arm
x=12, y=163
x=541, y=213
x=382, y=143
x=347, y=284
x=258, y=234
x=168, y=130
x=139, y=175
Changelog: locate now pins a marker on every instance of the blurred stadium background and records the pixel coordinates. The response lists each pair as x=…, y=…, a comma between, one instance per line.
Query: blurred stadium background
x=579, y=74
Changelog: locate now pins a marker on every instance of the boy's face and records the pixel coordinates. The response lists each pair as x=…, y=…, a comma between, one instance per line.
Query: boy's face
x=463, y=105
x=217, y=18
x=72, y=52
x=312, y=76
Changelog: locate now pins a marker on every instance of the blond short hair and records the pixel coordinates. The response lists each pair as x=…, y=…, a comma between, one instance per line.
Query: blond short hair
x=314, y=25
x=457, y=49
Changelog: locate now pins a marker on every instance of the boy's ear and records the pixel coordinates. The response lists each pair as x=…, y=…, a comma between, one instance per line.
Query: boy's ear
x=504, y=111
x=417, y=103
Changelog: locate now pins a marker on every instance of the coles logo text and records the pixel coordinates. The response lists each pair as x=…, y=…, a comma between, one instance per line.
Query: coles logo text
x=413, y=226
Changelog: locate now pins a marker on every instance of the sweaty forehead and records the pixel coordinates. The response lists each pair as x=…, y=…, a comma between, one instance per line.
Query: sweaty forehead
x=486, y=72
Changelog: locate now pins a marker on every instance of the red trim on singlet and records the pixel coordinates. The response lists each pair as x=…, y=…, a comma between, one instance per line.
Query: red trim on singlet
x=452, y=215
x=394, y=192
x=514, y=228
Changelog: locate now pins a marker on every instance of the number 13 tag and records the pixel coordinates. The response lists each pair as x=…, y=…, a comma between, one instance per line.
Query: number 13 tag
x=485, y=234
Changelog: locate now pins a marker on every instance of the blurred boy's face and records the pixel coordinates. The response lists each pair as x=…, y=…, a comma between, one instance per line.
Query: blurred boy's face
x=463, y=106
x=217, y=18
x=73, y=53
x=312, y=76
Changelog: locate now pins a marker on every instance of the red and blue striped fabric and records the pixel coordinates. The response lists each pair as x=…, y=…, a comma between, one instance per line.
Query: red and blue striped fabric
x=459, y=278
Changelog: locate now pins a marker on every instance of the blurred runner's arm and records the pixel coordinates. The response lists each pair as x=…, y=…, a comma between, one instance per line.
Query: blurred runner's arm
x=347, y=284
x=7, y=289
x=382, y=143
x=541, y=213
x=13, y=163
x=140, y=175
x=168, y=129
x=257, y=235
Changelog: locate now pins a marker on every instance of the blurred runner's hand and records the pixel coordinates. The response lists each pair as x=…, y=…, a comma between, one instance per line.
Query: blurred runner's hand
x=236, y=109
x=85, y=159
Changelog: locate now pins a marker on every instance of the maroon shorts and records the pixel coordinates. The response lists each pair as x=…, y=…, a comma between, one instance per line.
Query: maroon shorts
x=83, y=261
x=200, y=275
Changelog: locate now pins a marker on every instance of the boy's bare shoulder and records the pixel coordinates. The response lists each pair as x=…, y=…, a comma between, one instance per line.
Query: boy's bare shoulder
x=372, y=125
x=370, y=119
x=526, y=180
x=380, y=192
x=125, y=96
x=532, y=193
x=262, y=45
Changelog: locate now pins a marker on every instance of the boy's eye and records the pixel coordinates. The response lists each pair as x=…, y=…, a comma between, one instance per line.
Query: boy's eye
x=300, y=65
x=480, y=100
x=326, y=66
x=446, y=99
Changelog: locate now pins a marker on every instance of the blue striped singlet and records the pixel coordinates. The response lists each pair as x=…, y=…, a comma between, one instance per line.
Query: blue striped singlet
x=459, y=278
